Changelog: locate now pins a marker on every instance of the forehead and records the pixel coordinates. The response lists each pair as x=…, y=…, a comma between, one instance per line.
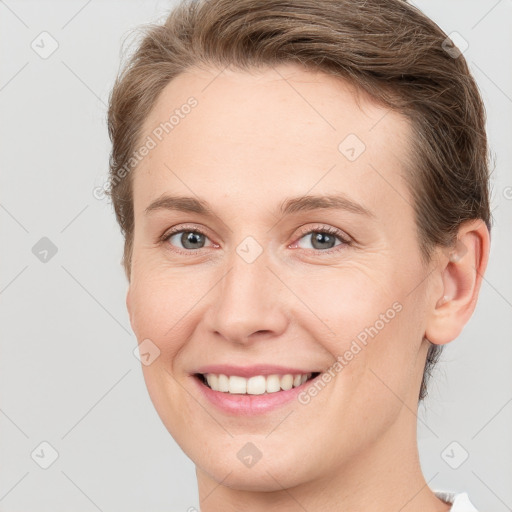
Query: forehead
x=268, y=133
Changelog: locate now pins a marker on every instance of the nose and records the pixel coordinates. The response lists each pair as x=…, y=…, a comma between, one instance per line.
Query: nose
x=248, y=303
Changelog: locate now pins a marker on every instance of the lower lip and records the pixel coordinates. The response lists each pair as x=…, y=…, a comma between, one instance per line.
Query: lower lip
x=249, y=405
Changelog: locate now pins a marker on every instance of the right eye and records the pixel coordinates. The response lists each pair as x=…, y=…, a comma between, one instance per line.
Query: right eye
x=190, y=239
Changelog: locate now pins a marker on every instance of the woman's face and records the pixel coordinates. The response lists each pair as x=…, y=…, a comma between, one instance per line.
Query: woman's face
x=252, y=285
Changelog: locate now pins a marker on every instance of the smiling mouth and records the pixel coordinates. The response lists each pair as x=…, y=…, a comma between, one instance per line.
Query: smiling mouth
x=257, y=385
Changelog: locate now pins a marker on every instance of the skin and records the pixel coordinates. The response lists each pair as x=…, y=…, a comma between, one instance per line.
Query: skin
x=255, y=139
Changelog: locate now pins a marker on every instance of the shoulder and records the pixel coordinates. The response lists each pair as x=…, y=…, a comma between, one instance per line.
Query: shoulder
x=460, y=501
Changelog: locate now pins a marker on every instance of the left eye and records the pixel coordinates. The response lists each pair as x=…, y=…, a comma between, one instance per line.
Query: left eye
x=322, y=239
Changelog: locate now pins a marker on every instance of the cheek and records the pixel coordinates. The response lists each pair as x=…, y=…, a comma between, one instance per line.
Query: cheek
x=168, y=305
x=346, y=303
x=369, y=324
x=158, y=302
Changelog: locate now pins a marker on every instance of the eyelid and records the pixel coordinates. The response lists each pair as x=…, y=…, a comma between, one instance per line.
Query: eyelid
x=344, y=237
x=182, y=227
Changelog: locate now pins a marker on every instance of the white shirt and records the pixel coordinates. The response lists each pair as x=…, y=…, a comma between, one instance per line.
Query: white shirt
x=460, y=501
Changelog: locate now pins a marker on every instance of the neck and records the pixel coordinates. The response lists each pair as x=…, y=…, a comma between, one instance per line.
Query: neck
x=385, y=477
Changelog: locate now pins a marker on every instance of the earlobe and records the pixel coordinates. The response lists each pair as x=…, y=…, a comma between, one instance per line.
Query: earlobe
x=461, y=271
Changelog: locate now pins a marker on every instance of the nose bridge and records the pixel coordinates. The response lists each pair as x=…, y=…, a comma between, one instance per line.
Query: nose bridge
x=245, y=302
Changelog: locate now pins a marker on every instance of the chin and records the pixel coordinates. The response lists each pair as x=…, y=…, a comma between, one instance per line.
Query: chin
x=270, y=473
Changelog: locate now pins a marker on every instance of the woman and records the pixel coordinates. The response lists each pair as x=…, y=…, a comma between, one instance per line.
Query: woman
x=303, y=191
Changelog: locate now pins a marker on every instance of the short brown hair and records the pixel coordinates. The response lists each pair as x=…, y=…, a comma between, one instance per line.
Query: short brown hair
x=387, y=48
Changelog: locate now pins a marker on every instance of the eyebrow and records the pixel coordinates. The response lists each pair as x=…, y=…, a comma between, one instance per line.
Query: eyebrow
x=289, y=206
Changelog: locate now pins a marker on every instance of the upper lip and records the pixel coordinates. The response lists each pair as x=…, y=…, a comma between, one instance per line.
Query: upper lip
x=251, y=371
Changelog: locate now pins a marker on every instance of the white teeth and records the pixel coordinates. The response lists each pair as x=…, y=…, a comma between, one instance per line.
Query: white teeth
x=287, y=381
x=273, y=383
x=213, y=380
x=222, y=383
x=237, y=385
x=257, y=385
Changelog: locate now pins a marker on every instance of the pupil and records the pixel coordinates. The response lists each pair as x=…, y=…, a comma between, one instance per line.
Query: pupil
x=323, y=238
x=191, y=238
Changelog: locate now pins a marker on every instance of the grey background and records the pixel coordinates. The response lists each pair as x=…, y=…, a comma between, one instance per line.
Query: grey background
x=67, y=369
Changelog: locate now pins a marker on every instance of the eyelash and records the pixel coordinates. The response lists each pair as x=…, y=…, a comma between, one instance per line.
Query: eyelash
x=316, y=229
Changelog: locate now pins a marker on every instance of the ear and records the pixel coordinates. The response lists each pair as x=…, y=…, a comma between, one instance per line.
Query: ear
x=461, y=270
x=129, y=304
